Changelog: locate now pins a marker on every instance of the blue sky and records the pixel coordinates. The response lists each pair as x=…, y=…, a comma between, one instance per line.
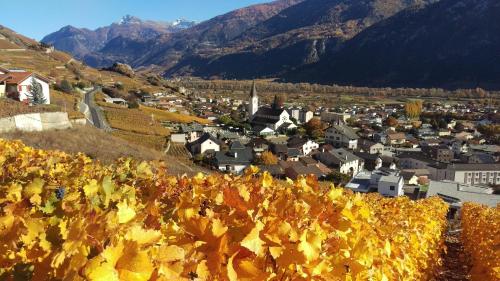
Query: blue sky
x=39, y=18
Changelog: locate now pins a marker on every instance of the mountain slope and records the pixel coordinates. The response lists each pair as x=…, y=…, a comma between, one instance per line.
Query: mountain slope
x=298, y=35
x=207, y=37
x=448, y=44
x=82, y=42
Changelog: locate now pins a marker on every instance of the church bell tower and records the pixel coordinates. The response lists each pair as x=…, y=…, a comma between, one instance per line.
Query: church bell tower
x=254, y=101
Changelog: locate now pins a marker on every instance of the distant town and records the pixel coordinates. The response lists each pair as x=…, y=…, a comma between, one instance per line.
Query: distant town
x=414, y=148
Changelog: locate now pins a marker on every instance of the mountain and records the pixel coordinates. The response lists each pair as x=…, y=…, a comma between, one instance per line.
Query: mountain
x=296, y=36
x=209, y=36
x=448, y=44
x=86, y=44
x=98, y=49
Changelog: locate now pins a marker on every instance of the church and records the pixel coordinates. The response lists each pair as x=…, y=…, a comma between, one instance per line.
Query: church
x=267, y=120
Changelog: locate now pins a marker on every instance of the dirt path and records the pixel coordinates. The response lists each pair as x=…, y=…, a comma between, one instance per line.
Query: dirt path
x=455, y=265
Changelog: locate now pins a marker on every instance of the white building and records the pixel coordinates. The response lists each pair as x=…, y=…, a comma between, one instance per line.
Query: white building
x=342, y=136
x=305, y=146
x=474, y=174
x=253, y=105
x=205, y=143
x=335, y=117
x=387, y=182
x=305, y=116
x=17, y=84
x=342, y=160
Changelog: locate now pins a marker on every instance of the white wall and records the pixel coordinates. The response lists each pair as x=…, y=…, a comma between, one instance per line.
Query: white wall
x=346, y=167
x=309, y=146
x=384, y=188
x=35, y=122
x=209, y=145
x=178, y=138
x=24, y=93
x=235, y=169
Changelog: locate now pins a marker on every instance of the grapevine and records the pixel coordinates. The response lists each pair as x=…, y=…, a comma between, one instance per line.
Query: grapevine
x=481, y=239
x=66, y=217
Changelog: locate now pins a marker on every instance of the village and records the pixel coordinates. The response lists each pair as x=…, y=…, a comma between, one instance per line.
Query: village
x=415, y=149
x=418, y=149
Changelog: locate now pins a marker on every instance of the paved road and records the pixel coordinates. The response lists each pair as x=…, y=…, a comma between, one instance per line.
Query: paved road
x=96, y=113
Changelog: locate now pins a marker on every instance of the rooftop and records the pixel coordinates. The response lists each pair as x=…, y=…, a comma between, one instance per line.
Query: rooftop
x=463, y=193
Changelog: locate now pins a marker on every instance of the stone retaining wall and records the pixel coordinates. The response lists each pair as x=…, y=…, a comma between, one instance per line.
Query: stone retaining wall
x=35, y=122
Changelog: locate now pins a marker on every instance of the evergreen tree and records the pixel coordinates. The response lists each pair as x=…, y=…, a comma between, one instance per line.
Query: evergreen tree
x=65, y=86
x=36, y=93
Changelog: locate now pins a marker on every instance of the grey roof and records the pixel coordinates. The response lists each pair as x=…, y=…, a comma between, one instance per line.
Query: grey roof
x=346, y=130
x=390, y=179
x=269, y=111
x=279, y=148
x=204, y=138
x=193, y=127
x=293, y=152
x=474, y=167
x=417, y=156
x=237, y=156
x=342, y=153
x=274, y=170
x=236, y=145
x=296, y=142
x=463, y=193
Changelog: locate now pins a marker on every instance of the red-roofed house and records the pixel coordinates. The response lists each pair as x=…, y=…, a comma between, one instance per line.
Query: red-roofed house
x=17, y=84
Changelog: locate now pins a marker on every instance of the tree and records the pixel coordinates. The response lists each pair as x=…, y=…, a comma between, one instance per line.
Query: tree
x=36, y=93
x=338, y=178
x=391, y=121
x=314, y=128
x=413, y=109
x=268, y=158
x=65, y=86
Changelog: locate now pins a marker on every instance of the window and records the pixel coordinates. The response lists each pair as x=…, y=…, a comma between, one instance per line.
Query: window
x=392, y=188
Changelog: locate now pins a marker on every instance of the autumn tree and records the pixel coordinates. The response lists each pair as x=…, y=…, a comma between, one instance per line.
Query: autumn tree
x=391, y=121
x=413, y=109
x=314, y=128
x=268, y=158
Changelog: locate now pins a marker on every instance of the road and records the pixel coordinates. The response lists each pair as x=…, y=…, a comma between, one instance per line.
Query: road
x=98, y=118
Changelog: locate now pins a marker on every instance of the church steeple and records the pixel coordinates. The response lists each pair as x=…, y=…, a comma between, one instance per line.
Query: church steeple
x=253, y=91
x=253, y=105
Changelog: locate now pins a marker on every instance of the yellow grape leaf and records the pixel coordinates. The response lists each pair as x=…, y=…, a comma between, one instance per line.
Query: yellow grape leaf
x=134, y=264
x=202, y=270
x=33, y=191
x=335, y=193
x=143, y=236
x=218, y=228
x=144, y=170
x=244, y=193
x=14, y=193
x=6, y=223
x=267, y=179
x=387, y=248
x=108, y=187
x=171, y=253
x=253, y=170
x=97, y=270
x=276, y=251
x=171, y=271
x=113, y=253
x=91, y=188
x=231, y=273
x=253, y=242
x=125, y=212
x=310, y=245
